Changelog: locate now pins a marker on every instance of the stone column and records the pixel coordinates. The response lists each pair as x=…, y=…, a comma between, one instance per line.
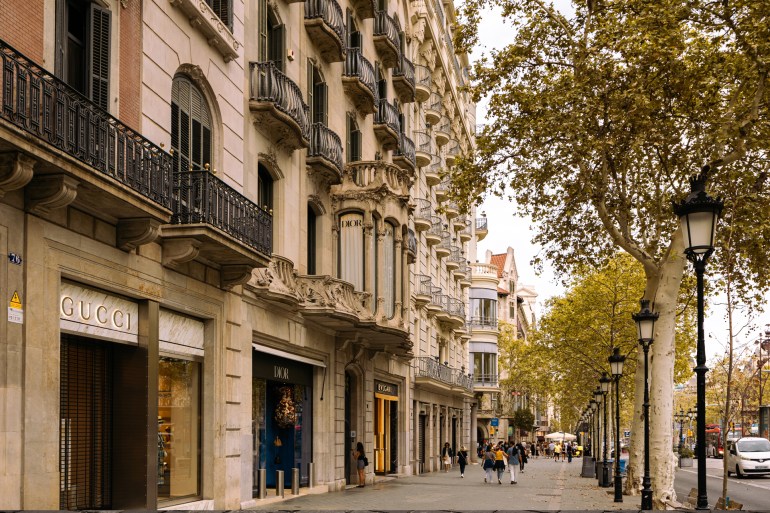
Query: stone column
x=472, y=429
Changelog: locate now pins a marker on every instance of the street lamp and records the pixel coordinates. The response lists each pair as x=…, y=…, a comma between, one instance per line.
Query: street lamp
x=763, y=343
x=616, y=366
x=604, y=384
x=592, y=406
x=598, y=451
x=680, y=417
x=645, y=326
x=698, y=215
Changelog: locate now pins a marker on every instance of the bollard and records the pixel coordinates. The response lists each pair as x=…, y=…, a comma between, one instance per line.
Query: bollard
x=311, y=474
x=279, y=483
x=295, y=481
x=262, y=476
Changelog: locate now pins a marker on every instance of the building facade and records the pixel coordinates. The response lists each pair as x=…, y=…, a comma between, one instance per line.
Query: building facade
x=229, y=242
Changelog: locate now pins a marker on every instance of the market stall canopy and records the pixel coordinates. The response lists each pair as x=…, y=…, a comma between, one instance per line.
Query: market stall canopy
x=560, y=435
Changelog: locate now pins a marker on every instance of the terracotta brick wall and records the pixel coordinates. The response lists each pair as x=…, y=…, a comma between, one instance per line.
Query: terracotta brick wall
x=21, y=26
x=130, y=64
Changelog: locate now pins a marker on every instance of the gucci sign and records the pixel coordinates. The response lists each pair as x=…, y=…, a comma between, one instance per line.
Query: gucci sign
x=98, y=314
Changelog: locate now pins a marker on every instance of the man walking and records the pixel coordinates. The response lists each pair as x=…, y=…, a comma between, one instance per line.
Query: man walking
x=513, y=461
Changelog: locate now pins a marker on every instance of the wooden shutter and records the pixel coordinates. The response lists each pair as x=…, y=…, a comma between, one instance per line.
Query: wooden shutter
x=348, y=142
x=278, y=46
x=311, y=89
x=222, y=9
x=262, y=20
x=99, y=56
x=320, y=110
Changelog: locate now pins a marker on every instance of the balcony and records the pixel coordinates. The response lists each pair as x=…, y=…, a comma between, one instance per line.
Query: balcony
x=411, y=246
x=404, y=156
x=387, y=126
x=459, y=222
x=463, y=269
x=277, y=106
x=466, y=233
x=324, y=155
x=424, y=289
x=431, y=374
x=422, y=82
x=455, y=258
x=481, y=228
x=369, y=183
x=456, y=310
x=433, y=172
x=359, y=83
x=434, y=233
x=442, y=189
x=451, y=152
x=325, y=24
x=485, y=275
x=434, y=108
x=89, y=158
x=441, y=300
x=216, y=223
x=424, y=148
x=386, y=39
x=444, y=247
x=422, y=215
x=403, y=80
x=436, y=303
x=483, y=323
x=364, y=8
x=485, y=380
x=442, y=131
x=465, y=276
x=452, y=210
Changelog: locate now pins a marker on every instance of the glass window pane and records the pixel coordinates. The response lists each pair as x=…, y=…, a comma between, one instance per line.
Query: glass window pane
x=178, y=428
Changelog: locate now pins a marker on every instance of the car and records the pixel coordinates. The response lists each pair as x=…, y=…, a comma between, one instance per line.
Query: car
x=748, y=456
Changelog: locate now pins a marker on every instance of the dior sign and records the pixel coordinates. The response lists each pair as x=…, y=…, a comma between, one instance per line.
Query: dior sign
x=97, y=314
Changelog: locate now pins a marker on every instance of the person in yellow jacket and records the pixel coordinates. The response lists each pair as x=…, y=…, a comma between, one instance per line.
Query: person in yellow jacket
x=557, y=451
x=500, y=458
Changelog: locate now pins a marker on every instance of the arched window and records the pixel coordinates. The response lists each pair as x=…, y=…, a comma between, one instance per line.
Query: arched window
x=351, y=249
x=353, y=150
x=190, y=126
x=264, y=188
x=389, y=268
x=272, y=36
x=312, y=226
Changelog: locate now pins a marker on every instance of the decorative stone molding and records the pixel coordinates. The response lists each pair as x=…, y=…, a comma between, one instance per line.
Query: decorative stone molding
x=208, y=23
x=179, y=251
x=133, y=233
x=317, y=203
x=277, y=281
x=418, y=30
x=428, y=52
x=237, y=274
x=16, y=170
x=439, y=80
x=270, y=161
x=49, y=192
x=330, y=293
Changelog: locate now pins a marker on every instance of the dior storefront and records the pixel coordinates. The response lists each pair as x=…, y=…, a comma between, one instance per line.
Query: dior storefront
x=282, y=412
x=111, y=385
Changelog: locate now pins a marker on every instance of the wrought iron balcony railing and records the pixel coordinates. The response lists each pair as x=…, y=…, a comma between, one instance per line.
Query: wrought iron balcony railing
x=387, y=114
x=405, y=69
x=425, y=285
x=436, y=226
x=385, y=25
x=483, y=322
x=201, y=197
x=435, y=102
x=406, y=149
x=326, y=144
x=46, y=108
x=330, y=13
x=456, y=255
x=356, y=65
x=486, y=379
x=424, y=142
x=456, y=308
x=423, y=208
x=429, y=367
x=269, y=84
x=422, y=77
x=481, y=224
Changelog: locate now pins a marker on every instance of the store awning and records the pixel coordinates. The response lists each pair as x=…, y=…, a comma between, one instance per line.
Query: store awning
x=289, y=356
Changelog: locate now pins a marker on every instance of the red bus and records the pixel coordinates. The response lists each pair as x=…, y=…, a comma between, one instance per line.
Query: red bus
x=714, y=439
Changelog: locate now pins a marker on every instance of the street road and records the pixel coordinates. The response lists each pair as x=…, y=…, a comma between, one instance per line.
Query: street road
x=753, y=491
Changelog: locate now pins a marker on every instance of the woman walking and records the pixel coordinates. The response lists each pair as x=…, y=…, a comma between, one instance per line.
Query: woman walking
x=462, y=459
x=489, y=463
x=361, y=463
x=446, y=457
x=500, y=463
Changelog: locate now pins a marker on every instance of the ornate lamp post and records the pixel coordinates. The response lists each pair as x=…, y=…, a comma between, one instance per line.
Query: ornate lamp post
x=598, y=451
x=616, y=365
x=698, y=215
x=681, y=416
x=604, y=384
x=592, y=406
x=645, y=326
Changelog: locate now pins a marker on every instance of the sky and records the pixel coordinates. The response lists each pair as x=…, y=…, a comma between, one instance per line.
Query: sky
x=507, y=229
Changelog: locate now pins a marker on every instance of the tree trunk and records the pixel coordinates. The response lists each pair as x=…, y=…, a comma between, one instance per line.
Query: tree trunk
x=728, y=398
x=635, y=467
x=665, y=295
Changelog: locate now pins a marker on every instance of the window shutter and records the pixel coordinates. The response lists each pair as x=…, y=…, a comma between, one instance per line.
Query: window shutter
x=262, y=15
x=324, y=103
x=349, y=25
x=222, y=9
x=99, y=56
x=278, y=47
x=348, y=141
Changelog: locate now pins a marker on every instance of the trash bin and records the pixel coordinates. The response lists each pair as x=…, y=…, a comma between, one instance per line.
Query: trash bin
x=623, y=466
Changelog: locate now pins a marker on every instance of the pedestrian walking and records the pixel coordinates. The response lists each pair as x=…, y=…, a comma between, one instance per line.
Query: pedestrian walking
x=513, y=461
x=551, y=449
x=489, y=464
x=462, y=459
x=500, y=458
x=522, y=456
x=569, y=452
x=446, y=457
x=556, y=452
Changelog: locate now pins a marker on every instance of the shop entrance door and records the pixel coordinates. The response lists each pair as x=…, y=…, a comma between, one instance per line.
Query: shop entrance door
x=421, y=443
x=85, y=425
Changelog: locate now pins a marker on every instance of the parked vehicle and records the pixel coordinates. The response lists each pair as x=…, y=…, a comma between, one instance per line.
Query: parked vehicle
x=748, y=456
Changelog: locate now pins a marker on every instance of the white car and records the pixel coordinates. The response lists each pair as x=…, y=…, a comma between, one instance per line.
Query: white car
x=748, y=456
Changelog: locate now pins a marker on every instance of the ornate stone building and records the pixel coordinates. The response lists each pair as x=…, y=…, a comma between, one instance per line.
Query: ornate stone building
x=229, y=242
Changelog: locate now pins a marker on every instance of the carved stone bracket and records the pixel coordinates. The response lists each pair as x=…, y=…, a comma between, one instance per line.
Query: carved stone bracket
x=203, y=18
x=237, y=274
x=277, y=281
x=179, y=251
x=16, y=170
x=133, y=233
x=49, y=192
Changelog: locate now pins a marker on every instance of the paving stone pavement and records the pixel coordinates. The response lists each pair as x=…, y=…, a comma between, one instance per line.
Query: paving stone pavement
x=544, y=485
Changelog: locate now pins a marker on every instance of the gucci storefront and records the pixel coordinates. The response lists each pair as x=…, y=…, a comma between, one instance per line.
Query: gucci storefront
x=385, y=427
x=282, y=412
